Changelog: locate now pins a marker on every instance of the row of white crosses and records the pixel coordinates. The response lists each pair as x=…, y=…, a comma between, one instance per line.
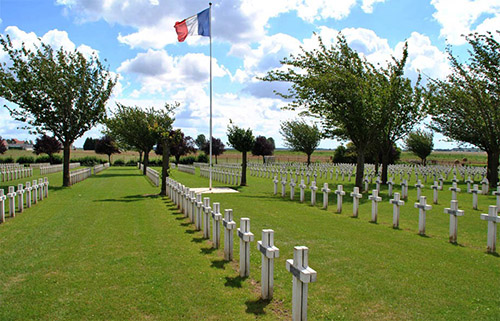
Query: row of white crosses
x=79, y=175
x=34, y=191
x=99, y=168
x=225, y=176
x=192, y=207
x=190, y=169
x=153, y=175
x=15, y=173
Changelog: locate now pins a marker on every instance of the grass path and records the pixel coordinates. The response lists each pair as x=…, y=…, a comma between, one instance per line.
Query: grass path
x=108, y=248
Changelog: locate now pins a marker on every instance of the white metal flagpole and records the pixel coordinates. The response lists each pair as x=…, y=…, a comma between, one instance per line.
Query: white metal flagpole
x=210, y=30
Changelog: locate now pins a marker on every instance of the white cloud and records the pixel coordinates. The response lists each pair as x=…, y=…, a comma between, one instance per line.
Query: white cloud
x=461, y=17
x=367, y=5
x=156, y=70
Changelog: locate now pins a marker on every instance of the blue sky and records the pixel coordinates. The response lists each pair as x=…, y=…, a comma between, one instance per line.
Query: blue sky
x=138, y=41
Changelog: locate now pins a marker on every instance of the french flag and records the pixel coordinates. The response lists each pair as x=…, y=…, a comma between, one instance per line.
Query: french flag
x=198, y=24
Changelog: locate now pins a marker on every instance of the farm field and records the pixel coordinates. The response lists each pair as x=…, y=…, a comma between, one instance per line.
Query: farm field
x=110, y=248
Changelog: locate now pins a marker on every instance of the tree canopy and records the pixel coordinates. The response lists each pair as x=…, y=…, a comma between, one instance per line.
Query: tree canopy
x=3, y=148
x=420, y=143
x=106, y=145
x=56, y=91
x=301, y=137
x=242, y=140
x=200, y=141
x=263, y=146
x=353, y=99
x=218, y=148
x=133, y=127
x=181, y=145
x=47, y=145
x=89, y=143
x=466, y=105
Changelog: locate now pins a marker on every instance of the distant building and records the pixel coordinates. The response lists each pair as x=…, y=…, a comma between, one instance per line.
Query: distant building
x=18, y=144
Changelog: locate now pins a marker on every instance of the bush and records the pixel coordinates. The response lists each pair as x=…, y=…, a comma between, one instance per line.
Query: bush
x=88, y=161
x=188, y=160
x=119, y=162
x=132, y=162
x=25, y=159
x=7, y=160
x=56, y=159
x=202, y=158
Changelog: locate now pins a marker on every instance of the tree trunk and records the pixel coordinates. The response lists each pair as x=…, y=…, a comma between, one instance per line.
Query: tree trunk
x=263, y=160
x=385, y=166
x=308, y=160
x=51, y=159
x=66, y=156
x=109, y=159
x=177, y=158
x=492, y=173
x=215, y=159
x=146, y=162
x=140, y=156
x=164, y=168
x=360, y=168
x=244, y=169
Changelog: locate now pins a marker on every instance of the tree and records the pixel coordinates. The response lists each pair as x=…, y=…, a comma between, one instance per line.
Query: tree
x=242, y=140
x=200, y=141
x=48, y=145
x=89, y=143
x=3, y=147
x=132, y=127
x=338, y=87
x=263, y=147
x=420, y=143
x=401, y=108
x=106, y=145
x=162, y=127
x=465, y=106
x=57, y=91
x=301, y=137
x=218, y=148
x=181, y=145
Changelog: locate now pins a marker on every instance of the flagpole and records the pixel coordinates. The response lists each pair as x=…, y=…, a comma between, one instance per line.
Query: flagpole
x=210, y=31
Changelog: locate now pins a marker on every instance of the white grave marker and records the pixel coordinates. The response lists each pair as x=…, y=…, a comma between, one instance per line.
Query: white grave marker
x=375, y=199
x=340, y=193
x=492, y=218
x=269, y=252
x=422, y=209
x=396, y=202
x=356, y=195
x=229, y=226
x=245, y=238
x=454, y=212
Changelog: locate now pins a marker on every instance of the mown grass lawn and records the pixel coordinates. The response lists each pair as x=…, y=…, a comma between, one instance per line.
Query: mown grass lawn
x=109, y=248
x=372, y=271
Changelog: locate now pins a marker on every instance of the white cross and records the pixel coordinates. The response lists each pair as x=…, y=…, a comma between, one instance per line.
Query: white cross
x=454, y=190
x=325, y=191
x=419, y=187
x=206, y=219
x=275, y=181
x=216, y=219
x=375, y=199
x=245, y=238
x=469, y=181
x=397, y=202
x=404, y=186
x=283, y=187
x=492, y=219
x=229, y=226
x=2, y=207
x=497, y=194
x=435, y=188
x=389, y=185
x=356, y=195
x=314, y=188
x=454, y=212
x=302, y=187
x=12, y=201
x=197, y=218
x=20, y=197
x=269, y=252
x=292, y=189
x=475, y=192
x=302, y=275
x=485, y=186
x=422, y=208
x=340, y=193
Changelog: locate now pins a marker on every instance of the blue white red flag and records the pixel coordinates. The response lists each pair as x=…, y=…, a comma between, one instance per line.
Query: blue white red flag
x=198, y=24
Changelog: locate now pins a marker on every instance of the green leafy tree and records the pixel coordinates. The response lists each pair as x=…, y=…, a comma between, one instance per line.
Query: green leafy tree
x=89, y=143
x=132, y=127
x=181, y=145
x=106, y=145
x=47, y=145
x=401, y=107
x=421, y=144
x=338, y=87
x=301, y=137
x=162, y=128
x=57, y=91
x=242, y=140
x=263, y=147
x=218, y=148
x=200, y=141
x=3, y=145
x=466, y=105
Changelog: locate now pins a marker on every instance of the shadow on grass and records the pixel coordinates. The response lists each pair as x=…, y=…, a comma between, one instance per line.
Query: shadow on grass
x=234, y=282
x=130, y=198
x=207, y=250
x=185, y=224
x=99, y=175
x=219, y=264
x=257, y=306
x=180, y=218
x=190, y=231
x=495, y=254
x=197, y=239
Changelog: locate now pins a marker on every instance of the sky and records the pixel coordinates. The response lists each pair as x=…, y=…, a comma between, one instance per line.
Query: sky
x=136, y=39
